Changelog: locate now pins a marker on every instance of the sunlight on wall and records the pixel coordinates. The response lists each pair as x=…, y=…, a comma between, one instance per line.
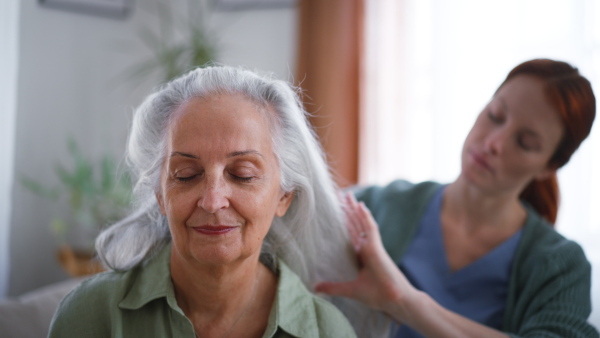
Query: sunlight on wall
x=432, y=65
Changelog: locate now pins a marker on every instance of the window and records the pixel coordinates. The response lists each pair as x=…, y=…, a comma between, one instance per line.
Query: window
x=432, y=65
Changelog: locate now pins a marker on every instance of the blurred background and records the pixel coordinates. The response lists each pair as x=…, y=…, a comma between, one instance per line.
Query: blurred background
x=394, y=87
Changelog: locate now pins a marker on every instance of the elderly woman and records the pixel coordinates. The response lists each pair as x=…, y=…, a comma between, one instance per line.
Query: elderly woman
x=236, y=216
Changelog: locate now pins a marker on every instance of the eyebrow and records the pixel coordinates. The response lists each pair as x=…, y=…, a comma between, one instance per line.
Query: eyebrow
x=243, y=153
x=503, y=105
x=232, y=154
x=178, y=153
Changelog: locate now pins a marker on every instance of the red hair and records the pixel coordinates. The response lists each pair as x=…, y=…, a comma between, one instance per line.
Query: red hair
x=571, y=94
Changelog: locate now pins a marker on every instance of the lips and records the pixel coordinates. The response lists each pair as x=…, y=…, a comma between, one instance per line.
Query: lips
x=481, y=161
x=214, y=230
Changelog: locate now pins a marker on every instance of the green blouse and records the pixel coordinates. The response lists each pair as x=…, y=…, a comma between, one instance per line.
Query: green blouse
x=141, y=303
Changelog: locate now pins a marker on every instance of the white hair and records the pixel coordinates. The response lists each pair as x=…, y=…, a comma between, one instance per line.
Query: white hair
x=310, y=238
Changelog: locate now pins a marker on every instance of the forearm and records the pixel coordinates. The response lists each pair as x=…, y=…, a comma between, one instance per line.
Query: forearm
x=429, y=318
x=381, y=285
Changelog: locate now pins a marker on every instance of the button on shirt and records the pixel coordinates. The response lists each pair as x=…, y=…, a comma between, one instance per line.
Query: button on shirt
x=141, y=303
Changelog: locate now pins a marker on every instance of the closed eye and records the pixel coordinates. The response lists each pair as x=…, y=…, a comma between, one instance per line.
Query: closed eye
x=242, y=179
x=185, y=179
x=494, y=118
x=523, y=145
x=529, y=141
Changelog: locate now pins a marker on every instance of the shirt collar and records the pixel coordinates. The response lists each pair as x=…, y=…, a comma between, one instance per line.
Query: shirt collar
x=152, y=281
x=293, y=309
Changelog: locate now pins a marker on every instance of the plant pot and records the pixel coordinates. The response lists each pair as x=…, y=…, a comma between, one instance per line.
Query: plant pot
x=78, y=263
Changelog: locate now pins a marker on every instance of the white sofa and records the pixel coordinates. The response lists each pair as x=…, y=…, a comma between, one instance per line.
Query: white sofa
x=29, y=315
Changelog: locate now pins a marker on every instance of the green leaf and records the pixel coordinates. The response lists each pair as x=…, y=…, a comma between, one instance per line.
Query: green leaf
x=94, y=200
x=107, y=172
x=178, y=43
x=39, y=189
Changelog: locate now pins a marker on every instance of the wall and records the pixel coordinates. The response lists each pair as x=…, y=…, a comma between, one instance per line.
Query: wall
x=258, y=39
x=71, y=83
x=8, y=68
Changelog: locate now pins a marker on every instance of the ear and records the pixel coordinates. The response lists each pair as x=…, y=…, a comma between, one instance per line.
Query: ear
x=284, y=203
x=161, y=202
x=545, y=174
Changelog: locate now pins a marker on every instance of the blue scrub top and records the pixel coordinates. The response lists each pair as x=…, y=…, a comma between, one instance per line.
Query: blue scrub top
x=477, y=291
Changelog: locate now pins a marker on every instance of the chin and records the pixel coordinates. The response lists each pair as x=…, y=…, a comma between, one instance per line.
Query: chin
x=213, y=256
x=221, y=255
x=473, y=179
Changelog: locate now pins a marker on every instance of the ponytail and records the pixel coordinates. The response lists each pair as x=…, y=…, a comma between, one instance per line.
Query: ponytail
x=543, y=196
x=571, y=94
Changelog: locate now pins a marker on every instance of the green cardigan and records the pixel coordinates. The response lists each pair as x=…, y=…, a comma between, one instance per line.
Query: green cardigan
x=549, y=287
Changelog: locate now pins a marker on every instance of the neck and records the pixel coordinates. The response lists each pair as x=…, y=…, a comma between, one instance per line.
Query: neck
x=474, y=208
x=215, y=297
x=228, y=300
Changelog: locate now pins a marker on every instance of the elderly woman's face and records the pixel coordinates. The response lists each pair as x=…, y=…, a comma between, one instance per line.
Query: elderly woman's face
x=220, y=184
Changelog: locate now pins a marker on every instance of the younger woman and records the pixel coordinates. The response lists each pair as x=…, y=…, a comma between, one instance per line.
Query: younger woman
x=479, y=257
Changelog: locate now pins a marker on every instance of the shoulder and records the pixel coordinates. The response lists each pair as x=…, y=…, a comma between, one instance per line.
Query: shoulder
x=398, y=209
x=541, y=244
x=549, y=259
x=105, y=288
x=331, y=322
x=398, y=189
x=400, y=197
x=88, y=308
x=550, y=284
x=303, y=314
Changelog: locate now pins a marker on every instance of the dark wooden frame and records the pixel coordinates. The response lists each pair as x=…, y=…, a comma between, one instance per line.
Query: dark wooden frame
x=110, y=8
x=240, y=5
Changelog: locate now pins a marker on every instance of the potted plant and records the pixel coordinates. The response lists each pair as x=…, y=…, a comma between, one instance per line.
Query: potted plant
x=178, y=43
x=96, y=196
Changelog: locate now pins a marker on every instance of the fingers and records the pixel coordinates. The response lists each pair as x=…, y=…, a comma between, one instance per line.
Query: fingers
x=362, y=226
x=367, y=228
x=349, y=217
x=353, y=220
x=336, y=289
x=369, y=223
x=360, y=223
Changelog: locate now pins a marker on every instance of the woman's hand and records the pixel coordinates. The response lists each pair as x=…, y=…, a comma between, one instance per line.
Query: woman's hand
x=379, y=283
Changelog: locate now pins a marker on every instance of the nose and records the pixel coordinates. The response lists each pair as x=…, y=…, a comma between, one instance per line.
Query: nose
x=495, y=141
x=214, y=195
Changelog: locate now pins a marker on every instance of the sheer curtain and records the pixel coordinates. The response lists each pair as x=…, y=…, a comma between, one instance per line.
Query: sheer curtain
x=431, y=66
